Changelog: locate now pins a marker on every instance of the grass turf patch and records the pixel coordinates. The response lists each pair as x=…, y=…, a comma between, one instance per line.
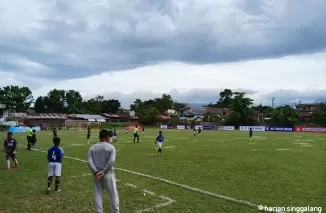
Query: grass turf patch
x=274, y=169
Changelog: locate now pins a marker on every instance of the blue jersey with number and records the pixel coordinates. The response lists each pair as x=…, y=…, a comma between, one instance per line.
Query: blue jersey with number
x=10, y=145
x=55, y=154
x=160, y=138
x=115, y=134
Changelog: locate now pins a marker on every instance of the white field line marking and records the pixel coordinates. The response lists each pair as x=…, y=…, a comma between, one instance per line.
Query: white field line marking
x=169, y=147
x=212, y=194
x=167, y=201
x=148, y=192
x=131, y=185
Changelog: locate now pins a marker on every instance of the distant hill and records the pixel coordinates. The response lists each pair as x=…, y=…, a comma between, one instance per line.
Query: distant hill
x=320, y=100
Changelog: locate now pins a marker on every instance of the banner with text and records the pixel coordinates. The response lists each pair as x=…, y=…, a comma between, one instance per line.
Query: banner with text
x=18, y=129
x=208, y=127
x=181, y=127
x=254, y=128
x=279, y=129
x=226, y=128
x=310, y=129
x=167, y=127
x=170, y=126
x=164, y=126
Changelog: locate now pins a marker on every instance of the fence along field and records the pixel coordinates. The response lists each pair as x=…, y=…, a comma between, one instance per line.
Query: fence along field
x=220, y=171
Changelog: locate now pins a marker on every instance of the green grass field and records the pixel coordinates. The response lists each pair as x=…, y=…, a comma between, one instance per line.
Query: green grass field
x=216, y=172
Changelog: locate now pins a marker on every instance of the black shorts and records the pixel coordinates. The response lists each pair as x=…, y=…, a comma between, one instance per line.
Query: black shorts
x=88, y=136
x=29, y=139
x=10, y=155
x=135, y=135
x=55, y=134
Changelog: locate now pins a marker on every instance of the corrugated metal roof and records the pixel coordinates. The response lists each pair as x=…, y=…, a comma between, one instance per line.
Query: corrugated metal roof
x=42, y=115
x=88, y=116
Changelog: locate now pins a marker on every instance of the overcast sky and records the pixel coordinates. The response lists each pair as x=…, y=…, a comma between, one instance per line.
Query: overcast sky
x=190, y=49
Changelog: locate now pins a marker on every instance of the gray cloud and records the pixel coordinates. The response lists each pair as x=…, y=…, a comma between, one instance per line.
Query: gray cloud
x=206, y=96
x=290, y=96
x=78, y=38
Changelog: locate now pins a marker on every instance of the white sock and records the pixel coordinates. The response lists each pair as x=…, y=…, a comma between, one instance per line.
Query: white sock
x=8, y=164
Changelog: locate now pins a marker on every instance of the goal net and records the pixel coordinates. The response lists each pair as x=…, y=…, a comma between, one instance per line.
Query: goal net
x=81, y=125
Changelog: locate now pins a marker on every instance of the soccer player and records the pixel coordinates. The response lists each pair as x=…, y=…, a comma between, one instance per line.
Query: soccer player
x=55, y=156
x=10, y=149
x=29, y=137
x=143, y=129
x=55, y=132
x=127, y=130
x=194, y=130
x=136, y=135
x=159, y=142
x=89, y=140
x=34, y=140
x=115, y=136
x=250, y=133
x=101, y=160
x=199, y=130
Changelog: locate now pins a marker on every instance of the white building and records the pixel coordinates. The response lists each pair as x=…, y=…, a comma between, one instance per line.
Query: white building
x=4, y=112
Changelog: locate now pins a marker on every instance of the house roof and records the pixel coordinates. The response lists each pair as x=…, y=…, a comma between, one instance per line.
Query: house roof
x=43, y=115
x=126, y=116
x=311, y=104
x=163, y=117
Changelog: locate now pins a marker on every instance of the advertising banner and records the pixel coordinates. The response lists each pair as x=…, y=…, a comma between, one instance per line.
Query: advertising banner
x=228, y=128
x=197, y=127
x=279, y=129
x=181, y=127
x=207, y=128
x=22, y=129
x=254, y=128
x=310, y=129
x=164, y=126
x=170, y=126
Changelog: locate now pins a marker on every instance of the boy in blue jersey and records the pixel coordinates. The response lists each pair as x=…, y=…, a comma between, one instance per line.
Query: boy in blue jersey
x=159, y=142
x=115, y=136
x=194, y=130
x=55, y=156
x=10, y=149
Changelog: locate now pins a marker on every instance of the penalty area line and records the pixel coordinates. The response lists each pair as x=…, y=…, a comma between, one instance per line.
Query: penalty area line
x=207, y=193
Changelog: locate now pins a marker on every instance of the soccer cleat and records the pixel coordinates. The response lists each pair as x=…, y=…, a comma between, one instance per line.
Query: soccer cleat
x=48, y=191
x=16, y=165
x=59, y=190
x=8, y=169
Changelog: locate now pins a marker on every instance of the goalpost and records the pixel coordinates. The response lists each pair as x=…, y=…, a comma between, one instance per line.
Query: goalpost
x=81, y=125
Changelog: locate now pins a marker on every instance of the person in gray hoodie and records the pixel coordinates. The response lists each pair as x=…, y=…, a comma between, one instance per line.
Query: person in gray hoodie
x=101, y=159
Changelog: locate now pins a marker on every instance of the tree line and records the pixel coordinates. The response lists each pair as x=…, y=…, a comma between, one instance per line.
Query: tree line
x=241, y=108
